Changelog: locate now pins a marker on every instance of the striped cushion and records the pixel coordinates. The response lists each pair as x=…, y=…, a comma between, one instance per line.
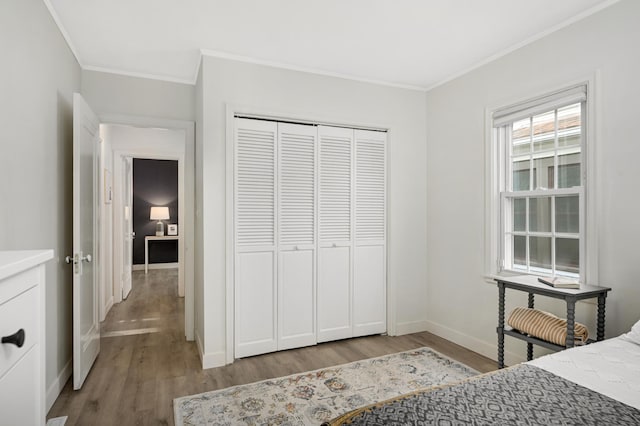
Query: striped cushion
x=545, y=326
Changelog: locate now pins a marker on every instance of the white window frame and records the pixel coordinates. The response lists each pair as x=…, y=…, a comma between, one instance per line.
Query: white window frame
x=495, y=181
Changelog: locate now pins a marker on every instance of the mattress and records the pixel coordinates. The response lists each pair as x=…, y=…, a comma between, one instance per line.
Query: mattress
x=610, y=367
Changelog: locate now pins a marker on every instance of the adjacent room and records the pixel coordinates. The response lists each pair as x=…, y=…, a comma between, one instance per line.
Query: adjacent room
x=364, y=212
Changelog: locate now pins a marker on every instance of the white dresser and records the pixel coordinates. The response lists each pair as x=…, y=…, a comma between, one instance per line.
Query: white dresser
x=22, y=352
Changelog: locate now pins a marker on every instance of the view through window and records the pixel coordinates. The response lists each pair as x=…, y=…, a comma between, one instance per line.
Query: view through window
x=543, y=192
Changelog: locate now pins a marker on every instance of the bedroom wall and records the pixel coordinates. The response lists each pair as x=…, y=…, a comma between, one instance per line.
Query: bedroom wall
x=109, y=93
x=37, y=81
x=460, y=305
x=331, y=99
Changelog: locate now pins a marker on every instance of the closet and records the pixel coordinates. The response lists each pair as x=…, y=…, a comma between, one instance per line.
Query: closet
x=309, y=234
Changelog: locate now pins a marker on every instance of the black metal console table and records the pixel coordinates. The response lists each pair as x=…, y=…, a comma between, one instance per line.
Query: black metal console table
x=530, y=284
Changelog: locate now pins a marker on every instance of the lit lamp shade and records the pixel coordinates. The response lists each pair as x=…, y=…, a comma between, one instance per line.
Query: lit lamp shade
x=159, y=214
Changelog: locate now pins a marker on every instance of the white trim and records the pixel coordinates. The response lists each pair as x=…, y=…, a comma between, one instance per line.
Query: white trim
x=316, y=71
x=58, y=384
x=525, y=42
x=139, y=74
x=590, y=163
x=410, y=327
x=212, y=360
x=186, y=199
x=63, y=31
x=490, y=350
x=169, y=265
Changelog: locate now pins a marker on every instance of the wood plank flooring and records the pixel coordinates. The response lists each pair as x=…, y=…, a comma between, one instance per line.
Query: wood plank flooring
x=145, y=361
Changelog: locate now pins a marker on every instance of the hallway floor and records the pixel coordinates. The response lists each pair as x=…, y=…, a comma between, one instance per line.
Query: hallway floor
x=145, y=361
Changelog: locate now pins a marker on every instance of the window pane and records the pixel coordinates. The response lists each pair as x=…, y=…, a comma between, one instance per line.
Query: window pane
x=521, y=174
x=568, y=170
x=521, y=136
x=568, y=255
x=569, y=125
x=540, y=214
x=544, y=131
x=519, y=251
x=540, y=252
x=568, y=214
x=519, y=214
x=542, y=168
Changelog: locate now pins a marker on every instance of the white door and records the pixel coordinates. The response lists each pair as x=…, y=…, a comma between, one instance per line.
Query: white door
x=335, y=252
x=296, y=235
x=255, y=237
x=86, y=325
x=127, y=224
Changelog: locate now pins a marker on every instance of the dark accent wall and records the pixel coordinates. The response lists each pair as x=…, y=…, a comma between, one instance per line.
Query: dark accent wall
x=155, y=183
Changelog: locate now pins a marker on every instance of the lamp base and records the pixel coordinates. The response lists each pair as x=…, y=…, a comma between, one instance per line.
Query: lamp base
x=159, y=229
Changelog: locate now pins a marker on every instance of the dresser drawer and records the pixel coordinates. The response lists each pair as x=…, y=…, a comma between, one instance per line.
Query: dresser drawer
x=20, y=312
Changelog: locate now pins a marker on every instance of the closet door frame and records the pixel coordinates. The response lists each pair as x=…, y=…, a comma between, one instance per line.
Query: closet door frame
x=247, y=111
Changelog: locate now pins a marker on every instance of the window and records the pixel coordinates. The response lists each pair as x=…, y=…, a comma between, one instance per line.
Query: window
x=540, y=189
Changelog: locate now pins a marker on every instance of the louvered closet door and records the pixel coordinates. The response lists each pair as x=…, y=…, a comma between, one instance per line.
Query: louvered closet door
x=297, y=231
x=335, y=233
x=255, y=237
x=369, y=289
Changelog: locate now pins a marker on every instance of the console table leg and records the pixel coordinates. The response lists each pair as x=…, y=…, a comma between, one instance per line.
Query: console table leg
x=571, y=322
x=600, y=325
x=530, y=304
x=500, y=325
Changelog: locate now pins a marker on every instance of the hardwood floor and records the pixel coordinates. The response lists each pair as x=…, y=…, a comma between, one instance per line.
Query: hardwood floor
x=145, y=361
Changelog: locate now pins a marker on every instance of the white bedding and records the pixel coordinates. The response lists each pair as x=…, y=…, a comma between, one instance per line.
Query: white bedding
x=610, y=367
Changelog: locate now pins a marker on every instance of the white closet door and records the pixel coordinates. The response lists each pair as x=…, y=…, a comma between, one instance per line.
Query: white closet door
x=335, y=233
x=296, y=230
x=255, y=237
x=369, y=289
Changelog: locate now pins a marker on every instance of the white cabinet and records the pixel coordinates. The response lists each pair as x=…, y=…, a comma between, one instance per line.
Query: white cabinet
x=22, y=358
x=309, y=234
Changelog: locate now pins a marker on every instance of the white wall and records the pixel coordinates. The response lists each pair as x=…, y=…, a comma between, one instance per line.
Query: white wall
x=121, y=94
x=334, y=100
x=460, y=304
x=37, y=79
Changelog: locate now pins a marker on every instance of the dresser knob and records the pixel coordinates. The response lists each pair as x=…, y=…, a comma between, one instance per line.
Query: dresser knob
x=17, y=338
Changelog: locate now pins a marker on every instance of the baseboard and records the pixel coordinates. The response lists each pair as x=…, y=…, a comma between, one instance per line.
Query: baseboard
x=58, y=384
x=172, y=265
x=212, y=360
x=490, y=350
x=411, y=327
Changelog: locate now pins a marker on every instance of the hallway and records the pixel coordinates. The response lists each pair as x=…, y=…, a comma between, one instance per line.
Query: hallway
x=145, y=361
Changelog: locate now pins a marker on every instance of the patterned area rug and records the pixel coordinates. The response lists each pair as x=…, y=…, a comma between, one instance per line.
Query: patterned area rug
x=316, y=396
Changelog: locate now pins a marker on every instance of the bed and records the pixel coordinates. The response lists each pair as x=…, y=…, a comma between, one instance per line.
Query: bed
x=596, y=384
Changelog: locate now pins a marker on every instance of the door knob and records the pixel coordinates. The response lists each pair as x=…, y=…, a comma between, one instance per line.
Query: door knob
x=16, y=338
x=86, y=258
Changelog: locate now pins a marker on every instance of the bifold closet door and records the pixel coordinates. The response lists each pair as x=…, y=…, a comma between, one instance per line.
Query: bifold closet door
x=369, y=288
x=335, y=233
x=255, y=237
x=297, y=235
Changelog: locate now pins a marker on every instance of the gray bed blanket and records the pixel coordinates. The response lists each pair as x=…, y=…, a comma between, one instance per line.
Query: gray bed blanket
x=520, y=395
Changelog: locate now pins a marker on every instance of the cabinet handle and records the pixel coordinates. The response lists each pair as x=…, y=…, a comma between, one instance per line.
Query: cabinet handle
x=16, y=338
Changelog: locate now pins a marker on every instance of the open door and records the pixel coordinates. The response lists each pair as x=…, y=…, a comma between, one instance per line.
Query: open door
x=86, y=325
x=127, y=223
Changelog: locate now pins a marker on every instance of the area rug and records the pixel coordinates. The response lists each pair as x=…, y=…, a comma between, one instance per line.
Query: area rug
x=316, y=396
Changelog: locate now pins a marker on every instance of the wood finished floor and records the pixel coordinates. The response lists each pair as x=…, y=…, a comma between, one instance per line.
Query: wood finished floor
x=137, y=376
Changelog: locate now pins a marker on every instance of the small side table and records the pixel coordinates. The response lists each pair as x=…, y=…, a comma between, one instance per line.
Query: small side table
x=530, y=284
x=146, y=247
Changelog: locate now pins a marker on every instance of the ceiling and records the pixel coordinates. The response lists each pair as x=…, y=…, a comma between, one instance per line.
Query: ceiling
x=407, y=43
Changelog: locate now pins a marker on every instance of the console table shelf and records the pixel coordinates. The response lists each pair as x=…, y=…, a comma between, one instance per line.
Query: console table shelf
x=530, y=285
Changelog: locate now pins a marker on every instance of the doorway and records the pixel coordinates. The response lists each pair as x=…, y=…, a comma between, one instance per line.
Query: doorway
x=126, y=140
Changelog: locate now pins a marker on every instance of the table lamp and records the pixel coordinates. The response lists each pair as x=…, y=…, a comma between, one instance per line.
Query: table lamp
x=159, y=214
